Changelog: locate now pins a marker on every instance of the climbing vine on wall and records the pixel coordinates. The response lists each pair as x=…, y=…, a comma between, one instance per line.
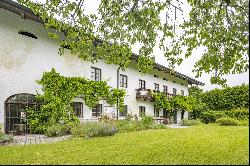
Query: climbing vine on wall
x=59, y=92
x=160, y=101
x=177, y=103
x=183, y=103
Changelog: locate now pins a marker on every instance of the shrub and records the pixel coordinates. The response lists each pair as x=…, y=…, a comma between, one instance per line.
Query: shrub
x=147, y=121
x=93, y=129
x=186, y=122
x=127, y=126
x=211, y=116
x=244, y=122
x=106, y=119
x=228, y=98
x=5, y=138
x=227, y=121
x=54, y=130
x=129, y=117
x=239, y=113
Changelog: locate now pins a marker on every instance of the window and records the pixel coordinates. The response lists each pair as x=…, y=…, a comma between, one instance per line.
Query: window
x=28, y=34
x=157, y=88
x=165, y=89
x=97, y=111
x=78, y=109
x=123, y=81
x=182, y=92
x=156, y=113
x=141, y=111
x=174, y=91
x=142, y=84
x=96, y=74
x=125, y=111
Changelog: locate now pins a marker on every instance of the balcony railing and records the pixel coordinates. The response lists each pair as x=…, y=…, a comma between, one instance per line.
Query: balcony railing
x=169, y=96
x=144, y=94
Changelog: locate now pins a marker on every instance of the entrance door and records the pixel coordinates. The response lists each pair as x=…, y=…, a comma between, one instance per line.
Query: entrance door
x=174, y=115
x=16, y=114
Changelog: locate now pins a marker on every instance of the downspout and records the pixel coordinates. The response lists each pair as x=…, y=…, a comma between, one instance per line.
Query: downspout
x=117, y=100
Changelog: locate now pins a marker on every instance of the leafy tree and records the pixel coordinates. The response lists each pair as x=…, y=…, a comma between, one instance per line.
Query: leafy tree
x=221, y=26
x=199, y=105
x=183, y=103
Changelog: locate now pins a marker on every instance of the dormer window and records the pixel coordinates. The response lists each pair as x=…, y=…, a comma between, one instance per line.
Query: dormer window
x=28, y=34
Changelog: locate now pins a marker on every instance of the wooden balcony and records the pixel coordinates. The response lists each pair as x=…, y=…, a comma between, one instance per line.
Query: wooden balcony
x=146, y=94
x=169, y=96
x=143, y=94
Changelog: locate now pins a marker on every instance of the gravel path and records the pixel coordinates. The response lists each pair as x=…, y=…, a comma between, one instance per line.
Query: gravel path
x=36, y=139
x=177, y=126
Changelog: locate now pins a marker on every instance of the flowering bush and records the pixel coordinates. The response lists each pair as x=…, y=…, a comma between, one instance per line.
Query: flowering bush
x=93, y=129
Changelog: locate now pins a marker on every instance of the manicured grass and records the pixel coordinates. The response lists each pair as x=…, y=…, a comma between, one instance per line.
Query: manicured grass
x=202, y=144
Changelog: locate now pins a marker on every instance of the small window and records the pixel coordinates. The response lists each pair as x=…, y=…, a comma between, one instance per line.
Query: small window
x=182, y=92
x=165, y=89
x=123, y=81
x=78, y=109
x=142, y=84
x=141, y=111
x=174, y=91
x=157, y=87
x=28, y=34
x=156, y=113
x=96, y=74
x=97, y=111
x=124, y=112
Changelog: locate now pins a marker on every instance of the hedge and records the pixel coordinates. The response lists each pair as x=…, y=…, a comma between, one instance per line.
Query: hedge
x=227, y=99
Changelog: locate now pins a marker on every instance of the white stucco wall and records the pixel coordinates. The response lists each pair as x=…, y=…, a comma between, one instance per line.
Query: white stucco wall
x=24, y=59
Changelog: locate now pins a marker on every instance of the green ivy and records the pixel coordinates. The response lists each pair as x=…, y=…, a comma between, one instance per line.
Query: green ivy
x=160, y=101
x=59, y=92
x=176, y=103
x=183, y=103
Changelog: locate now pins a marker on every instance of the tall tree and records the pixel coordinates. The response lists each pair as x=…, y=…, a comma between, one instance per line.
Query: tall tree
x=221, y=26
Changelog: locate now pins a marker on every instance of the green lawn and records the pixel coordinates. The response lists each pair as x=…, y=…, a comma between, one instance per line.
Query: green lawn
x=203, y=144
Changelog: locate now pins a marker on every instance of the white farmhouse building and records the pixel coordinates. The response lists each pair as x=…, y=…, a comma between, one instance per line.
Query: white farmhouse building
x=26, y=52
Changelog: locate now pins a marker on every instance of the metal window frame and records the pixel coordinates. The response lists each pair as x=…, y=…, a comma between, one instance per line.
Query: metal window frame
x=96, y=74
x=81, y=109
x=158, y=87
x=174, y=91
x=165, y=89
x=142, y=109
x=142, y=84
x=123, y=80
x=98, y=111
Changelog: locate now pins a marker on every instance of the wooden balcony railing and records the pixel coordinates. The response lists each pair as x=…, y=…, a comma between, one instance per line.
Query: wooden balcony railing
x=169, y=96
x=144, y=94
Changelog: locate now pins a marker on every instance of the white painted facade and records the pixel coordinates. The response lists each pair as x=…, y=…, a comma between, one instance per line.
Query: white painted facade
x=24, y=59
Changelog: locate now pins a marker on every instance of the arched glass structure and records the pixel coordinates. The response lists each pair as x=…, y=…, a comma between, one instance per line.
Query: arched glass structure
x=16, y=113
